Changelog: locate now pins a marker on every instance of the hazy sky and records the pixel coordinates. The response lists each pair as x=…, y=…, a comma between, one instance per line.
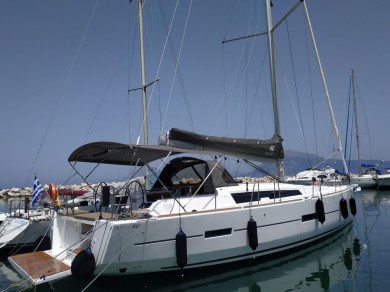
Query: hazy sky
x=66, y=68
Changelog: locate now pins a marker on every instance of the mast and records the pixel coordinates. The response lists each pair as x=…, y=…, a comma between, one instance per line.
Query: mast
x=334, y=125
x=143, y=85
x=356, y=119
x=280, y=164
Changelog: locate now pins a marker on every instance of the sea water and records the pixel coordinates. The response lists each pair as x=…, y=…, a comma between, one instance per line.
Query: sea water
x=354, y=259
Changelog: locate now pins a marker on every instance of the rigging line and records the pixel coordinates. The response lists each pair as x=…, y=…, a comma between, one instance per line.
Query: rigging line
x=177, y=69
x=224, y=89
x=255, y=96
x=101, y=101
x=247, y=119
x=361, y=102
x=245, y=76
x=224, y=68
x=368, y=130
x=63, y=90
x=129, y=74
x=158, y=102
x=300, y=127
x=296, y=91
x=203, y=182
x=294, y=110
x=325, y=87
x=140, y=113
x=159, y=65
x=310, y=85
x=178, y=72
x=246, y=91
x=256, y=93
x=267, y=100
x=350, y=144
x=113, y=258
x=231, y=88
x=347, y=130
x=47, y=230
x=229, y=19
x=51, y=265
x=16, y=249
x=257, y=85
x=325, y=159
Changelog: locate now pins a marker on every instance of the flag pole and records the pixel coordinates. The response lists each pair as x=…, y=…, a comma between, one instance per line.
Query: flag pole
x=44, y=190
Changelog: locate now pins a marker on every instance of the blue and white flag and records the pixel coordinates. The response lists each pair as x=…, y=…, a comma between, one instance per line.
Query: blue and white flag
x=38, y=190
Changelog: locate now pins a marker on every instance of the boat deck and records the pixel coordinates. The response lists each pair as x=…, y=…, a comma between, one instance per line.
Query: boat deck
x=39, y=265
x=85, y=215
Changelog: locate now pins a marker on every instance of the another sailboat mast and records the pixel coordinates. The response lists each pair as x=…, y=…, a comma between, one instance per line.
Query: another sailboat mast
x=280, y=163
x=144, y=101
x=356, y=120
x=340, y=149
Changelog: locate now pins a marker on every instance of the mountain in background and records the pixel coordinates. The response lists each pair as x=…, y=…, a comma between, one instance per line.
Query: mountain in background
x=295, y=161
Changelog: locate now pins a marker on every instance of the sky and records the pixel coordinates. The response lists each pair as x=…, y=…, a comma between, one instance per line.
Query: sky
x=66, y=68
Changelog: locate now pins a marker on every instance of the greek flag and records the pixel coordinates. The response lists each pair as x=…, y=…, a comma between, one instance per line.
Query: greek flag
x=38, y=190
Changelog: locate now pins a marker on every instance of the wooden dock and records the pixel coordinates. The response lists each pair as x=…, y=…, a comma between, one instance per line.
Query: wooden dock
x=39, y=265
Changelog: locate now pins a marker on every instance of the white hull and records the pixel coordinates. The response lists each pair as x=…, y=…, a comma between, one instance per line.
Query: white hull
x=138, y=248
x=23, y=233
x=214, y=236
x=317, y=268
x=383, y=180
x=364, y=181
x=327, y=176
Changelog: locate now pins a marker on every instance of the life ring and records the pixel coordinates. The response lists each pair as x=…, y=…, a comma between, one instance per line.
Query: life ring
x=53, y=193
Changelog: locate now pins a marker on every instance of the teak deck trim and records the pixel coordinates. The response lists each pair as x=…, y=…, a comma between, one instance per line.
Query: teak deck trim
x=85, y=215
x=39, y=264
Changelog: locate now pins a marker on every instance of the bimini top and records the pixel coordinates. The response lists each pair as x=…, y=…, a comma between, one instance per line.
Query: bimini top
x=178, y=141
x=126, y=154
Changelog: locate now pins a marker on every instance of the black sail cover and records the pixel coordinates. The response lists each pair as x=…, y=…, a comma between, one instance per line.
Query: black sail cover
x=251, y=149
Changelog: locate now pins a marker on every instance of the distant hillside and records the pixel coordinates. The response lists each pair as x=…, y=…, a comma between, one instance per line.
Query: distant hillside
x=295, y=161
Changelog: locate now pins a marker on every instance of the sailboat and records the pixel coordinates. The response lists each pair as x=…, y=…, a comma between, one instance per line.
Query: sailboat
x=383, y=180
x=28, y=228
x=195, y=214
x=23, y=231
x=325, y=176
x=365, y=178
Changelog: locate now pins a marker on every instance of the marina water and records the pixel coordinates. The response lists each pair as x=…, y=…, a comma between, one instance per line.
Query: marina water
x=355, y=259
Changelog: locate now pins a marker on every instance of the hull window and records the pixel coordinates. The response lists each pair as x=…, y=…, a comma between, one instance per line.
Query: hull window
x=219, y=232
x=257, y=196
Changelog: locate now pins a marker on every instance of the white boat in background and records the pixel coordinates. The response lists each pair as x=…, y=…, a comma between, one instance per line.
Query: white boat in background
x=383, y=180
x=325, y=176
x=365, y=177
x=26, y=230
x=3, y=215
x=195, y=215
